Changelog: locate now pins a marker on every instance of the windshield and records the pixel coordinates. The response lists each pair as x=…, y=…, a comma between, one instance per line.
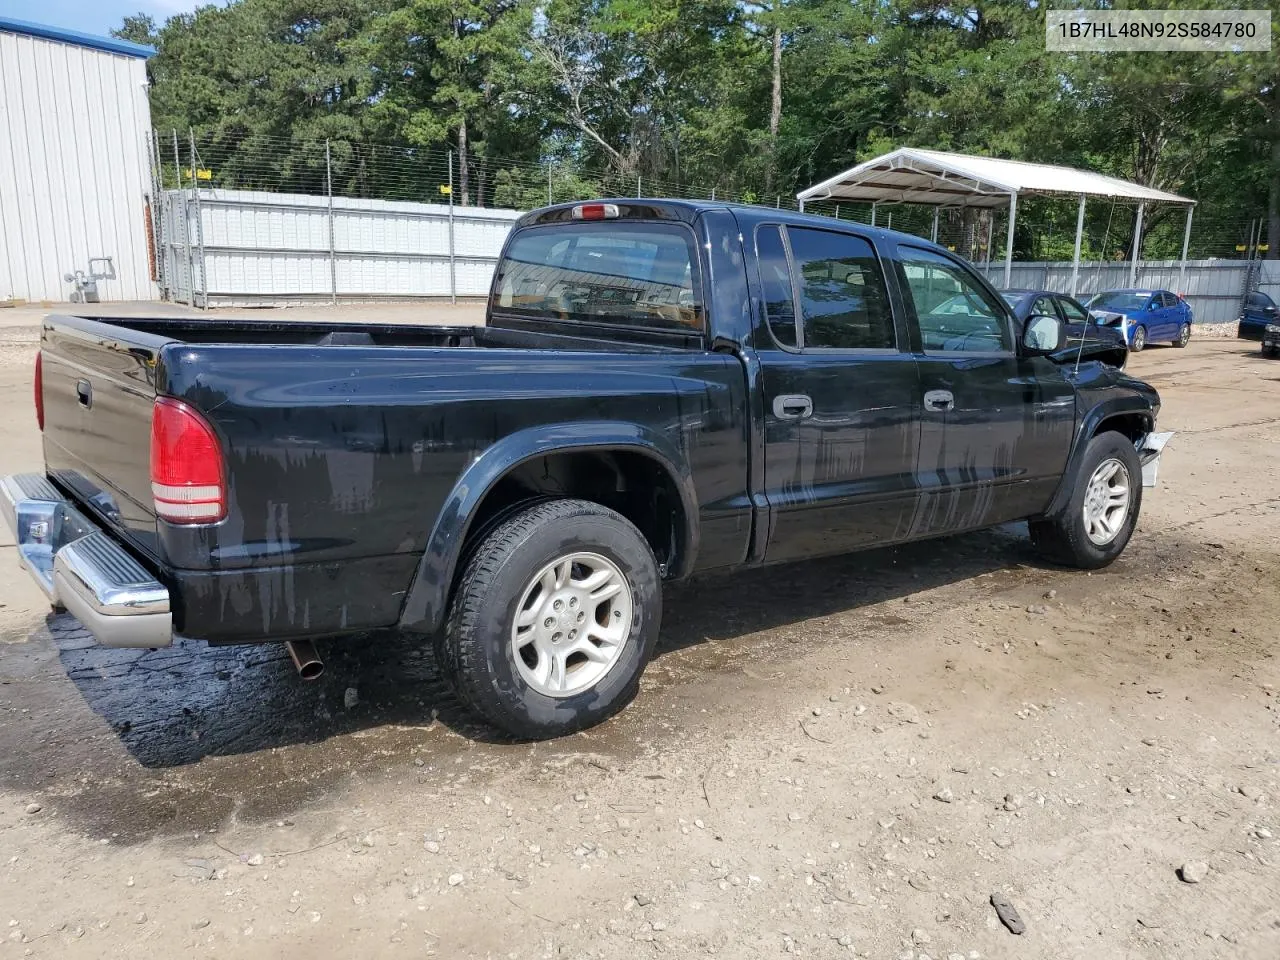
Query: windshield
x=628, y=274
x=1118, y=300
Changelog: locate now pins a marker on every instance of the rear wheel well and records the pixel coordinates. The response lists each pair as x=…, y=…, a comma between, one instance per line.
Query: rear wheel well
x=635, y=485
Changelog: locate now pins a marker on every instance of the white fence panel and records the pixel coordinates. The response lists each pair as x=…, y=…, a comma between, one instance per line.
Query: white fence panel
x=256, y=247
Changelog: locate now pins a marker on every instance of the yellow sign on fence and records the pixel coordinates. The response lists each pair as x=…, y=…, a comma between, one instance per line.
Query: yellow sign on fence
x=446, y=189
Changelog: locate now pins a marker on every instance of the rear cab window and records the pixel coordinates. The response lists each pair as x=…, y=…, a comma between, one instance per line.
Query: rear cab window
x=620, y=273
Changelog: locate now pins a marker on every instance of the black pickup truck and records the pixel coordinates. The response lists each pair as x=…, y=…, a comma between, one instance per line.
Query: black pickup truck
x=662, y=388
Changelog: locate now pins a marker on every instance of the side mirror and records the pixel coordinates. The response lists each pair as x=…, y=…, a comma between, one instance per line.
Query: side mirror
x=1043, y=334
x=1153, y=305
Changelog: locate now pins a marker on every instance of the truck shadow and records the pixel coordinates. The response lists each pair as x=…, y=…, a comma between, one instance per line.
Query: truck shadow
x=179, y=705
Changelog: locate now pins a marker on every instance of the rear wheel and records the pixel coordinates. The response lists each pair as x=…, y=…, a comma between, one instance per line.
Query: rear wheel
x=1095, y=525
x=554, y=619
x=1184, y=336
x=1139, y=340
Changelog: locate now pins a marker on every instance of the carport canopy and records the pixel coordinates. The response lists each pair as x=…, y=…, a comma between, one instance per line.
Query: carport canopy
x=937, y=179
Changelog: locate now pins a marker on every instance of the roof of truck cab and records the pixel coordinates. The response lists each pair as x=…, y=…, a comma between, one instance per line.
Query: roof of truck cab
x=750, y=212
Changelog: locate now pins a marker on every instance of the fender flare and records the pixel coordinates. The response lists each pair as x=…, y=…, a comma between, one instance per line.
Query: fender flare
x=427, y=600
x=1090, y=424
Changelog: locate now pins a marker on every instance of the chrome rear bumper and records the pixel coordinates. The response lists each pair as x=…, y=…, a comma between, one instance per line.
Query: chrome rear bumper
x=83, y=569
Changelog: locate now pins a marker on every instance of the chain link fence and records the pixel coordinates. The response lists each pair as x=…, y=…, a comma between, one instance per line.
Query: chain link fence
x=261, y=220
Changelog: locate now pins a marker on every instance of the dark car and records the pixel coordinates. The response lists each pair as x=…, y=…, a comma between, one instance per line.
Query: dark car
x=1271, y=339
x=661, y=388
x=1258, y=311
x=1085, y=336
x=1144, y=316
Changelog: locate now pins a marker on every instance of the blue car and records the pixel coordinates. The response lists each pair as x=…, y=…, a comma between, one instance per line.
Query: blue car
x=1259, y=310
x=1146, y=316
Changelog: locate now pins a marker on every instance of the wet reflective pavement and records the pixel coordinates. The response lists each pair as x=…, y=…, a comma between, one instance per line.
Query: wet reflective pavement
x=137, y=743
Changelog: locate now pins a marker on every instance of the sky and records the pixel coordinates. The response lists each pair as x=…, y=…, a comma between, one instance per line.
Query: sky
x=92, y=16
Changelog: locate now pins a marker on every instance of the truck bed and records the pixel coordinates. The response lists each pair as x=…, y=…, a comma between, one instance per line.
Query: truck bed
x=342, y=442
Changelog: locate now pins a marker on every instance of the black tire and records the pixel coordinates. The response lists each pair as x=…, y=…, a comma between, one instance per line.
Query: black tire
x=1139, y=340
x=475, y=651
x=1184, y=335
x=1063, y=538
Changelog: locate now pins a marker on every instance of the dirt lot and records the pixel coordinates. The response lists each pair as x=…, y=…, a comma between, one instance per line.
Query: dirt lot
x=839, y=758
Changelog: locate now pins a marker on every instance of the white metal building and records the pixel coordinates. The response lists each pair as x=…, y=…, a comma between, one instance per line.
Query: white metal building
x=74, y=170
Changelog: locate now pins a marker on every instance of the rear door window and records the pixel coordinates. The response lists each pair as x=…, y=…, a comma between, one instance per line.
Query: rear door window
x=843, y=299
x=775, y=277
x=1072, y=312
x=837, y=281
x=620, y=273
x=1044, y=307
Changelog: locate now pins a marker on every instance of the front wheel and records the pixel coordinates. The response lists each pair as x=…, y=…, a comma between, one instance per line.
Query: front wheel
x=1184, y=336
x=1098, y=520
x=553, y=620
x=1139, y=340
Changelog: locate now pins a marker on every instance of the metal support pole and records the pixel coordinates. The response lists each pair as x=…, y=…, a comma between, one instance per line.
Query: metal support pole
x=157, y=210
x=873, y=213
x=1075, y=261
x=1137, y=246
x=549, y=200
x=195, y=192
x=933, y=234
x=333, y=257
x=987, y=224
x=186, y=225
x=638, y=193
x=1008, y=240
x=1186, y=243
x=453, y=268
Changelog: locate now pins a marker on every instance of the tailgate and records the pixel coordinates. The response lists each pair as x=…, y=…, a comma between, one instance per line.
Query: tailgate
x=98, y=388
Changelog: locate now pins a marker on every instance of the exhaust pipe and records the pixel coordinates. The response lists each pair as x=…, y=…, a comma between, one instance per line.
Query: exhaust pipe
x=304, y=657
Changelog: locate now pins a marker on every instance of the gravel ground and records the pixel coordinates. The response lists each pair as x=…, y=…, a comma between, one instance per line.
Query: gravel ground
x=846, y=757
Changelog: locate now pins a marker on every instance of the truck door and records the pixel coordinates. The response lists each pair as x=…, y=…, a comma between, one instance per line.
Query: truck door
x=996, y=427
x=841, y=395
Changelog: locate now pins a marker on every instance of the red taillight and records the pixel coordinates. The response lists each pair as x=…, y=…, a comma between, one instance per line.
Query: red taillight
x=39, y=390
x=187, y=479
x=595, y=211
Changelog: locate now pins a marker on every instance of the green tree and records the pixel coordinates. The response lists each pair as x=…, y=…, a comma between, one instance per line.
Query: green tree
x=443, y=69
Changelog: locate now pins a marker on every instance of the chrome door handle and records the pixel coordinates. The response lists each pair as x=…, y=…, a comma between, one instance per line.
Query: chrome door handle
x=939, y=401
x=793, y=406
